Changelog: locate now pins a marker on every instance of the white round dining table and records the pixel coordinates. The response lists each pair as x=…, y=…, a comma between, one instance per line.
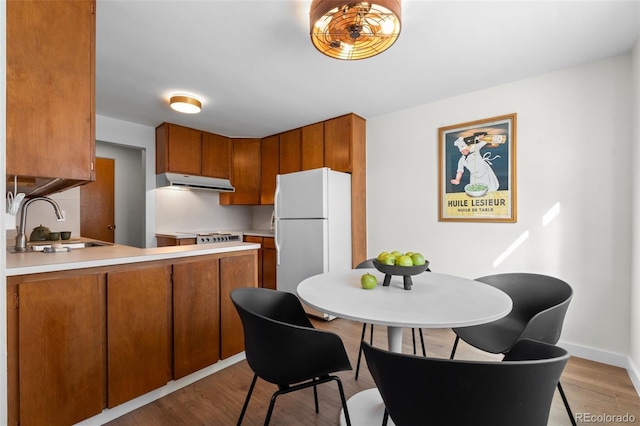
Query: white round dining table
x=434, y=301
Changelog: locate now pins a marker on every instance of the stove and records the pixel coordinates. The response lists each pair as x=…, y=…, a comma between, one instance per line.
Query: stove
x=217, y=237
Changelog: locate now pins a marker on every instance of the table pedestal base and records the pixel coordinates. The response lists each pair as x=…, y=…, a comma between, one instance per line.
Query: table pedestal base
x=365, y=409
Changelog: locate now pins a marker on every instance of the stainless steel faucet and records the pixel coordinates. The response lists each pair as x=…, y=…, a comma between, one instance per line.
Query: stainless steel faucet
x=21, y=238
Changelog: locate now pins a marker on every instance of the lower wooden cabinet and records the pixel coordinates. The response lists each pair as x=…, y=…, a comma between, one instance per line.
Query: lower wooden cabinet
x=61, y=350
x=83, y=340
x=196, y=316
x=138, y=315
x=267, y=258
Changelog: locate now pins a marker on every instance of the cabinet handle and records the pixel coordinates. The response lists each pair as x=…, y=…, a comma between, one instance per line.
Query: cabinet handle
x=111, y=227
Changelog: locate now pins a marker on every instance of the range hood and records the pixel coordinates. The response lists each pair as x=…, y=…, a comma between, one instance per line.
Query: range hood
x=179, y=180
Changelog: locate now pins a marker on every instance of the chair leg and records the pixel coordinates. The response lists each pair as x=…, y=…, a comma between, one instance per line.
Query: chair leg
x=566, y=405
x=364, y=329
x=455, y=346
x=385, y=418
x=344, y=401
x=413, y=339
x=424, y=353
x=246, y=401
x=315, y=397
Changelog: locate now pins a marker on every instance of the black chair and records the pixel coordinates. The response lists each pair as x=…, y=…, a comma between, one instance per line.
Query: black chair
x=540, y=304
x=369, y=264
x=428, y=391
x=283, y=348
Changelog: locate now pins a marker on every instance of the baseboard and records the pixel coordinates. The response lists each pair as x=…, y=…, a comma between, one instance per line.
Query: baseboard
x=605, y=357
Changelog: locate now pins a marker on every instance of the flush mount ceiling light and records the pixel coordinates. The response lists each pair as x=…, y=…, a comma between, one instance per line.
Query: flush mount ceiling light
x=185, y=103
x=354, y=30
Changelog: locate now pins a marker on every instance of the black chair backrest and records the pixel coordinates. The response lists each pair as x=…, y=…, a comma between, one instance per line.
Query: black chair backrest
x=281, y=345
x=540, y=303
x=428, y=391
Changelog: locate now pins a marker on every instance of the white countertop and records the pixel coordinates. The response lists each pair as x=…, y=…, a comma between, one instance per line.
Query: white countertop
x=259, y=233
x=38, y=262
x=254, y=232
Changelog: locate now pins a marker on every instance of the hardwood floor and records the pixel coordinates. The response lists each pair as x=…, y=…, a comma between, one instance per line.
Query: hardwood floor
x=590, y=387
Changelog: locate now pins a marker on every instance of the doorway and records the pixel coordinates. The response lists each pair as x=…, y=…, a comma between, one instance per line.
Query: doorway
x=129, y=192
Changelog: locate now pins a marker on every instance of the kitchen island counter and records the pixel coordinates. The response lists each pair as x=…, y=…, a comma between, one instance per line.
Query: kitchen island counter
x=39, y=262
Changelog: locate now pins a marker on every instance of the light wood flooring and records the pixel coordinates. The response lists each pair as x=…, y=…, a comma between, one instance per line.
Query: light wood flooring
x=591, y=387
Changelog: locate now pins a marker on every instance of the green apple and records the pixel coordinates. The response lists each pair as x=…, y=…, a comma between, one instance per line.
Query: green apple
x=409, y=253
x=389, y=259
x=404, y=260
x=382, y=255
x=368, y=281
x=396, y=253
x=418, y=259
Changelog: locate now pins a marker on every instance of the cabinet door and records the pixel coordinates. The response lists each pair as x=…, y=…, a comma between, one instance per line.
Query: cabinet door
x=269, y=263
x=138, y=312
x=337, y=143
x=290, y=151
x=257, y=240
x=50, y=101
x=312, y=146
x=61, y=350
x=270, y=166
x=196, y=316
x=245, y=173
x=216, y=156
x=235, y=272
x=178, y=149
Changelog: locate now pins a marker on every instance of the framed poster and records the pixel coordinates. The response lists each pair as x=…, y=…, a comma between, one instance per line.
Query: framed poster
x=477, y=171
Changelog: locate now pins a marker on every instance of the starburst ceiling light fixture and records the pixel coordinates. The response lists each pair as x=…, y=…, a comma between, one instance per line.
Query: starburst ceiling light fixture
x=351, y=30
x=187, y=104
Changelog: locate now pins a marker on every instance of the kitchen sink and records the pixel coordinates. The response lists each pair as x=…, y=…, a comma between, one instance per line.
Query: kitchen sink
x=60, y=246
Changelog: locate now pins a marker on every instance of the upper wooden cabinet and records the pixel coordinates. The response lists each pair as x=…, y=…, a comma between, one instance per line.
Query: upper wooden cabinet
x=312, y=146
x=245, y=173
x=343, y=137
x=178, y=149
x=50, y=99
x=216, y=156
x=270, y=167
x=290, y=151
x=181, y=149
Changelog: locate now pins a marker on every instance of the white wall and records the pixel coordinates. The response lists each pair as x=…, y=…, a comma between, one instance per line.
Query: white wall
x=635, y=173
x=186, y=211
x=573, y=153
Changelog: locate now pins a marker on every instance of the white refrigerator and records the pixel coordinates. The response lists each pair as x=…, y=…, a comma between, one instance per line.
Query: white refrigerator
x=312, y=227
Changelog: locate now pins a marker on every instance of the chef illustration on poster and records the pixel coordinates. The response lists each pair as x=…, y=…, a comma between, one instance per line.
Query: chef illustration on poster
x=477, y=163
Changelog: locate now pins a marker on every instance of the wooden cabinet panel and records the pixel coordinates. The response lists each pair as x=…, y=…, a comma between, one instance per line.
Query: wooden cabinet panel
x=178, y=149
x=269, y=263
x=50, y=89
x=170, y=242
x=270, y=166
x=257, y=240
x=290, y=151
x=196, y=316
x=235, y=272
x=245, y=173
x=312, y=146
x=61, y=350
x=138, y=310
x=216, y=156
x=337, y=143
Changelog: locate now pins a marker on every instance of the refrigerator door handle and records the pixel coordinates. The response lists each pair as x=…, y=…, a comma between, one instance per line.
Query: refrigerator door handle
x=276, y=240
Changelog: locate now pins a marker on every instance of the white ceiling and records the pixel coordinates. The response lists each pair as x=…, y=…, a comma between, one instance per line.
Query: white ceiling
x=254, y=67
